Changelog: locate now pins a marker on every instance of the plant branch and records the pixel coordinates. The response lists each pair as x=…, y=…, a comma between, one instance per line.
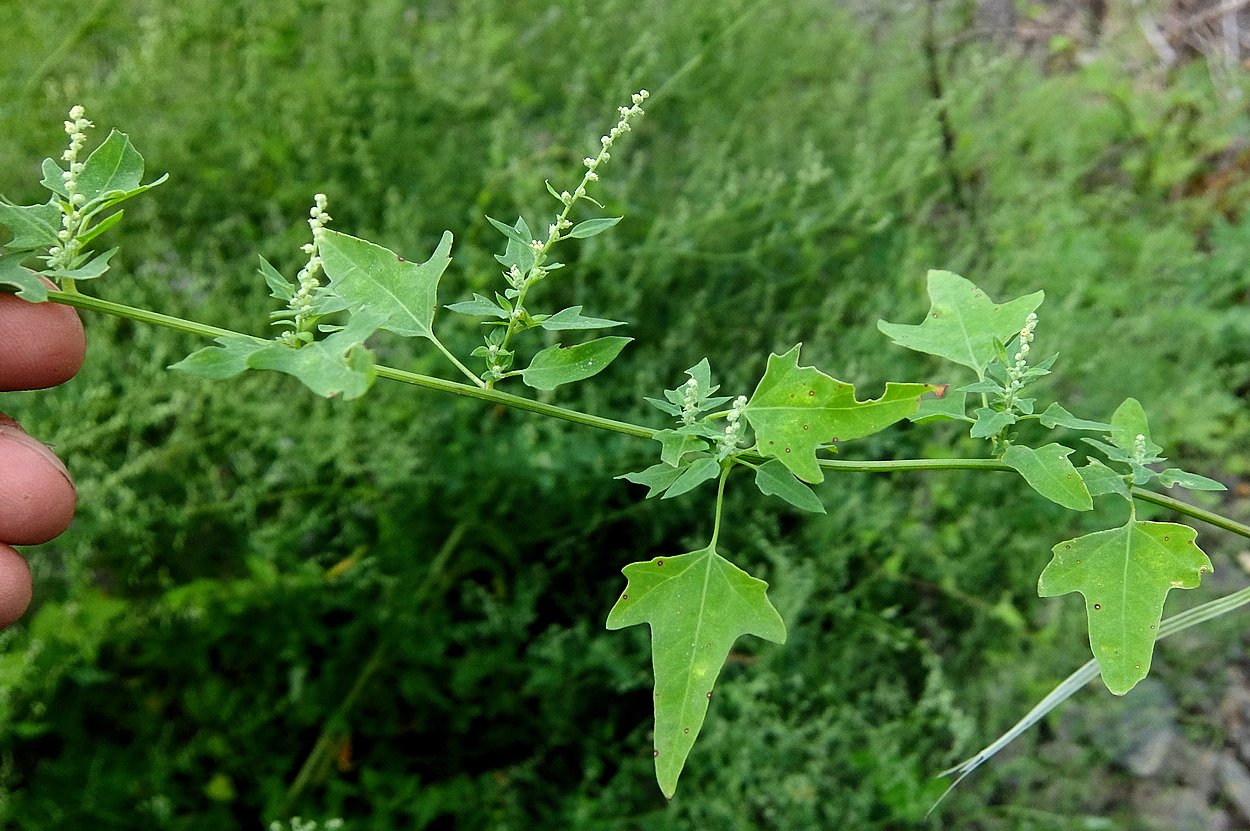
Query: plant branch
x=83, y=301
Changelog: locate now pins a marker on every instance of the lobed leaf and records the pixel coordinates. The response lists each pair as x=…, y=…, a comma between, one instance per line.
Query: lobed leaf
x=26, y=282
x=946, y=406
x=1048, y=471
x=962, y=324
x=1125, y=575
x=226, y=360
x=697, y=605
x=558, y=365
x=338, y=365
x=33, y=226
x=369, y=276
x=795, y=410
x=674, y=445
x=991, y=422
x=52, y=178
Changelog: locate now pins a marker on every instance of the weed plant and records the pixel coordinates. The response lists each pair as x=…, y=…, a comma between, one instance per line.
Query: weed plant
x=243, y=550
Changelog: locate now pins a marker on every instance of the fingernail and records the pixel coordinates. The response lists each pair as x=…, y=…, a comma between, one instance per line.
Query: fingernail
x=9, y=429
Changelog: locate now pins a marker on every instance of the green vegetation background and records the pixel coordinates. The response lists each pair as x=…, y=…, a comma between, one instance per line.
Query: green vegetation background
x=244, y=550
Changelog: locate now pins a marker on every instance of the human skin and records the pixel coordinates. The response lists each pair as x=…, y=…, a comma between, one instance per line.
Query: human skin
x=41, y=345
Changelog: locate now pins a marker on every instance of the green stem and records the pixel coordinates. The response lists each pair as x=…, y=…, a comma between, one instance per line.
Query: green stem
x=468, y=373
x=720, y=501
x=1210, y=517
x=483, y=393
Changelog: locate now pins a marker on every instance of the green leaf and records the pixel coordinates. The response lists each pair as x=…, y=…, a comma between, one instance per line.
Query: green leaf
x=479, y=306
x=657, y=478
x=949, y=406
x=27, y=284
x=1192, y=481
x=795, y=410
x=1057, y=416
x=228, y=359
x=338, y=365
x=1127, y=423
x=1048, y=471
x=1100, y=480
x=697, y=605
x=514, y=234
x=773, y=479
x=572, y=318
x=100, y=227
x=53, y=179
x=558, y=365
x=33, y=226
x=519, y=252
x=280, y=288
x=592, y=227
x=94, y=268
x=694, y=474
x=113, y=166
x=991, y=422
x=1125, y=575
x=373, y=277
x=675, y=445
x=962, y=323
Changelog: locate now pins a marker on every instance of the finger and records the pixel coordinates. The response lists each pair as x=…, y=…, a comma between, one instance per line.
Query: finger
x=41, y=344
x=36, y=495
x=15, y=588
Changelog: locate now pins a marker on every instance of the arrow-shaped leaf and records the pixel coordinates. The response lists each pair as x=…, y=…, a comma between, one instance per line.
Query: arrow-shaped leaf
x=368, y=275
x=796, y=409
x=1125, y=575
x=697, y=604
x=963, y=322
x=26, y=282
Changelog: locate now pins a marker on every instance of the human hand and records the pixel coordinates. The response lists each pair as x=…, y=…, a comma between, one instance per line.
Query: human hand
x=41, y=345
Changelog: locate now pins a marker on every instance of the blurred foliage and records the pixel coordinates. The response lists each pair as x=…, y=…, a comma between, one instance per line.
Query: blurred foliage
x=243, y=549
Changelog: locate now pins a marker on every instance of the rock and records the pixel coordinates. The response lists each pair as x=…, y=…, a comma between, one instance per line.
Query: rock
x=1177, y=809
x=1235, y=784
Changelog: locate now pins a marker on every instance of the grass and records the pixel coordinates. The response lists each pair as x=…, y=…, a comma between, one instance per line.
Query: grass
x=241, y=549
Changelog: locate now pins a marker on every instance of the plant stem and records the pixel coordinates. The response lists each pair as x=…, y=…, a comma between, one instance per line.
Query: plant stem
x=720, y=501
x=1210, y=517
x=468, y=373
x=484, y=393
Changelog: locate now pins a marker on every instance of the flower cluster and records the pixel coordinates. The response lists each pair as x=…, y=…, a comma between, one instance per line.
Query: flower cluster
x=728, y=443
x=302, y=305
x=1016, y=371
x=62, y=254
